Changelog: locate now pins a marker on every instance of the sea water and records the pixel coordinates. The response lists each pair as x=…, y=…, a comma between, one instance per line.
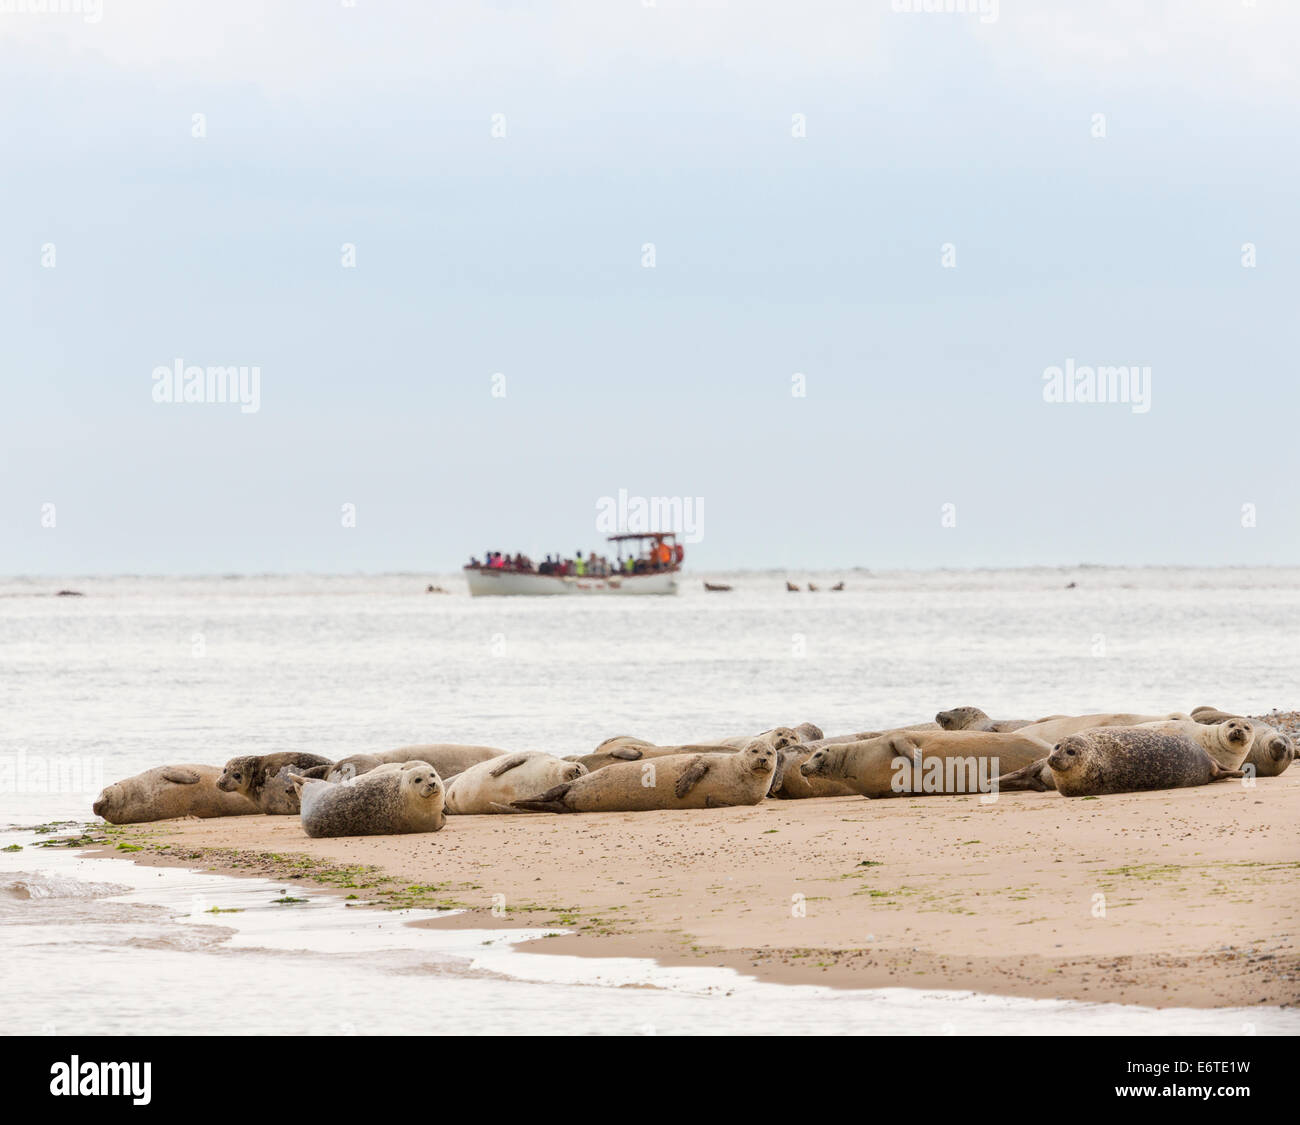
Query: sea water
x=142, y=671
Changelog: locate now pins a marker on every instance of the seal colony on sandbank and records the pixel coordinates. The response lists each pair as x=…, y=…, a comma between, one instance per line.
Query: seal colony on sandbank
x=961, y=751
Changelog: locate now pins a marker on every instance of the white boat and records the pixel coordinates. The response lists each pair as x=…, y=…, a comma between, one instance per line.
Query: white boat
x=507, y=581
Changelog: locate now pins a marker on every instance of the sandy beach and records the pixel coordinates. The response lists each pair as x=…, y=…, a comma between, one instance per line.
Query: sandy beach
x=1173, y=898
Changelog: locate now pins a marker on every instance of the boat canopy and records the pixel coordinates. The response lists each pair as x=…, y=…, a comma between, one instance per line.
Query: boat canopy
x=659, y=535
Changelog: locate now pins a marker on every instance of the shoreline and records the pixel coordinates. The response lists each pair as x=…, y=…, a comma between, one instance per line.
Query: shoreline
x=932, y=893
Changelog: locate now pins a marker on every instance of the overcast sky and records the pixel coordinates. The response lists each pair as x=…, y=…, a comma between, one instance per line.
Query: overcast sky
x=918, y=213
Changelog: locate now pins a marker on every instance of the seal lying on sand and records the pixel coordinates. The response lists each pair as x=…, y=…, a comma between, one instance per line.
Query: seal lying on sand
x=972, y=718
x=170, y=791
x=1271, y=752
x=1129, y=759
x=1223, y=741
x=791, y=785
x=914, y=763
x=1054, y=729
x=678, y=781
x=261, y=778
x=489, y=787
x=778, y=738
x=1227, y=742
x=644, y=753
x=448, y=758
x=407, y=798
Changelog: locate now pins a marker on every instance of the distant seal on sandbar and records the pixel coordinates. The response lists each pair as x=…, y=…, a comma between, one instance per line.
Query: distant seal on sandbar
x=260, y=778
x=408, y=798
x=915, y=763
x=170, y=791
x=972, y=718
x=448, y=758
x=1227, y=742
x=1054, y=729
x=1130, y=759
x=489, y=787
x=678, y=781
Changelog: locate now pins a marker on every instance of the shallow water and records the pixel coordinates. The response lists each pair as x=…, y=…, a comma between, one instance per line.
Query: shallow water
x=106, y=946
x=144, y=671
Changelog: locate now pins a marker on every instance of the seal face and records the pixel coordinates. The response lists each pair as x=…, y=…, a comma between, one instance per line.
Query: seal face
x=408, y=797
x=1271, y=752
x=1130, y=759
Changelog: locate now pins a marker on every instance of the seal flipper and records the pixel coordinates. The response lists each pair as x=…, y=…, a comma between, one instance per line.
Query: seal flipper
x=1218, y=773
x=696, y=770
x=627, y=754
x=179, y=776
x=507, y=764
x=1028, y=777
x=550, y=801
x=778, y=775
x=316, y=773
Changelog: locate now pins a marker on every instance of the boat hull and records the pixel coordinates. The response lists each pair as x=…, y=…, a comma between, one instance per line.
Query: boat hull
x=509, y=583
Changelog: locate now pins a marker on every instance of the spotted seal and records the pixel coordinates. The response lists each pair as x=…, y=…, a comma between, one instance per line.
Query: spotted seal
x=1130, y=759
x=409, y=797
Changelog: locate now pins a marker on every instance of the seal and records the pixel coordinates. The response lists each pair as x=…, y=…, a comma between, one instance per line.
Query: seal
x=448, y=758
x=1227, y=742
x=1052, y=730
x=1271, y=752
x=166, y=792
x=489, y=787
x=914, y=763
x=261, y=778
x=644, y=752
x=790, y=785
x=1130, y=759
x=972, y=718
x=808, y=732
x=677, y=781
x=407, y=798
x=778, y=738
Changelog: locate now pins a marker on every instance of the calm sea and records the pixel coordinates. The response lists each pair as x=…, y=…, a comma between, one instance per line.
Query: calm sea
x=143, y=671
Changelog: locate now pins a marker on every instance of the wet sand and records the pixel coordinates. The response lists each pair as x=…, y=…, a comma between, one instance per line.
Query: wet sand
x=1183, y=898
